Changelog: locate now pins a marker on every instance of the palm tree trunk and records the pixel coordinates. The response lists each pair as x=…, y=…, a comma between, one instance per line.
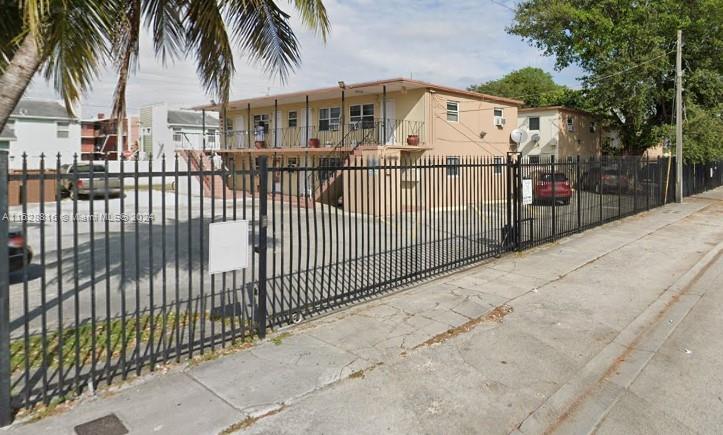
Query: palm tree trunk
x=17, y=76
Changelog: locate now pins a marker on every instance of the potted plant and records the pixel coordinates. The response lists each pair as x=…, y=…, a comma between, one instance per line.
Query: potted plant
x=413, y=139
x=314, y=142
x=260, y=144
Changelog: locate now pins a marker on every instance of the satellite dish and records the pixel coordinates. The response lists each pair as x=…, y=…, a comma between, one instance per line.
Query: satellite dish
x=518, y=136
x=535, y=137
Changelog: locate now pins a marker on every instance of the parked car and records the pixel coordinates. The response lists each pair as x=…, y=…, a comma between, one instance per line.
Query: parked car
x=610, y=180
x=17, y=249
x=82, y=185
x=542, y=190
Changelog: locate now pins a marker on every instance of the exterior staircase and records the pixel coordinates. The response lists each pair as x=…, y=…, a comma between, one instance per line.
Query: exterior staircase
x=212, y=183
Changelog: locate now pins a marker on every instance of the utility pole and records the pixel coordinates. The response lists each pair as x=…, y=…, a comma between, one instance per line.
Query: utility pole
x=679, y=119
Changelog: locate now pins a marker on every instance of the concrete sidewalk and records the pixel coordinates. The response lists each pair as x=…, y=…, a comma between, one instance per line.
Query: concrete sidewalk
x=547, y=340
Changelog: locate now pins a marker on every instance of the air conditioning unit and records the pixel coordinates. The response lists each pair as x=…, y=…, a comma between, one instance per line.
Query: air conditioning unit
x=500, y=121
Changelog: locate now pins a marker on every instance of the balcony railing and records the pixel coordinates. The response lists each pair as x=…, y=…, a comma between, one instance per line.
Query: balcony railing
x=376, y=132
x=187, y=140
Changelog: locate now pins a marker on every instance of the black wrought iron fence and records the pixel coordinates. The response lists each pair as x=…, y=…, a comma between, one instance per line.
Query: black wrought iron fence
x=107, y=267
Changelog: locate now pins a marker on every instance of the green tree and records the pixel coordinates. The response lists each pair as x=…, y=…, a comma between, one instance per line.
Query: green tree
x=627, y=50
x=532, y=85
x=71, y=40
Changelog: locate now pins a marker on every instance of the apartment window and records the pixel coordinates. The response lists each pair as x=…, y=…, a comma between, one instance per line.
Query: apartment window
x=292, y=162
x=535, y=123
x=261, y=122
x=534, y=160
x=499, y=112
x=329, y=118
x=62, y=130
x=498, y=165
x=453, y=111
x=177, y=135
x=570, y=123
x=293, y=119
x=452, y=166
x=229, y=125
x=211, y=136
x=362, y=115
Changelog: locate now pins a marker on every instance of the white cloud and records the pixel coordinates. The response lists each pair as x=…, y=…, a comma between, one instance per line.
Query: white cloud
x=456, y=43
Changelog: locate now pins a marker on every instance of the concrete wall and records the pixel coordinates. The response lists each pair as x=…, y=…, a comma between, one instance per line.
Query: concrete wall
x=555, y=138
x=36, y=136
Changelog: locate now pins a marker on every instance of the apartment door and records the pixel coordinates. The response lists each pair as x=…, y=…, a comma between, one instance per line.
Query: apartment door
x=390, y=124
x=306, y=132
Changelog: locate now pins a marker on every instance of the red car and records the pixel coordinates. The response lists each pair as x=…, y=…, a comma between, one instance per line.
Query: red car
x=543, y=191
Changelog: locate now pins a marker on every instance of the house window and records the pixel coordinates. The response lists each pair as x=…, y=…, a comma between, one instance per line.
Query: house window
x=499, y=112
x=534, y=159
x=292, y=162
x=362, y=115
x=62, y=130
x=498, y=165
x=177, y=135
x=570, y=123
x=535, y=123
x=329, y=118
x=452, y=166
x=453, y=111
x=293, y=119
x=229, y=125
x=211, y=136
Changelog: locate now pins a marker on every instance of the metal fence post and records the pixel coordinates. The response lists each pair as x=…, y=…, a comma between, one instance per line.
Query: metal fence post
x=577, y=190
x=5, y=411
x=261, y=247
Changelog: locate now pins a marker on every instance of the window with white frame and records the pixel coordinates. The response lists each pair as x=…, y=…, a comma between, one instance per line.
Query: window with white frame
x=211, y=136
x=453, y=111
x=261, y=122
x=499, y=112
x=329, y=118
x=362, y=115
x=293, y=118
x=292, y=162
x=452, y=166
x=570, y=123
x=177, y=134
x=535, y=123
x=229, y=125
x=534, y=160
x=62, y=130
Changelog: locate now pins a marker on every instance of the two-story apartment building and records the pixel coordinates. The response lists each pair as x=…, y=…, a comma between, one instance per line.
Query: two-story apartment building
x=99, y=137
x=397, y=120
x=559, y=132
x=42, y=127
x=164, y=131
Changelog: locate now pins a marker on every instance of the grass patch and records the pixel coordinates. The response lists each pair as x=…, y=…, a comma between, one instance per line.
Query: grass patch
x=280, y=338
x=79, y=339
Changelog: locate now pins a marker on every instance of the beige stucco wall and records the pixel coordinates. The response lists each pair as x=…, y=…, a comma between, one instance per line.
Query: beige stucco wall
x=462, y=138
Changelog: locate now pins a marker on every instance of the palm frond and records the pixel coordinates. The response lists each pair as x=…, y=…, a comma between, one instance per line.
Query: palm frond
x=11, y=33
x=164, y=19
x=206, y=36
x=313, y=15
x=76, y=45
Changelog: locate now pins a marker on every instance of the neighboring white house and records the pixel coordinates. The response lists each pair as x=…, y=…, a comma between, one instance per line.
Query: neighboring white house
x=560, y=132
x=163, y=131
x=7, y=136
x=42, y=126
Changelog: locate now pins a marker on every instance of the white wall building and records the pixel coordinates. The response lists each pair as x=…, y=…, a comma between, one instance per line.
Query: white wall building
x=164, y=130
x=42, y=126
x=559, y=132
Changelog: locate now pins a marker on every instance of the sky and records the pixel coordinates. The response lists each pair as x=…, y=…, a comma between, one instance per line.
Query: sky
x=449, y=42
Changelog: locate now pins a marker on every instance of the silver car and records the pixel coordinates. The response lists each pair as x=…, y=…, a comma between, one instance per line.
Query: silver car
x=81, y=186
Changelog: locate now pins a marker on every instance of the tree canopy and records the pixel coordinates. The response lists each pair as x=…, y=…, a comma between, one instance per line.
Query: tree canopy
x=627, y=52
x=532, y=85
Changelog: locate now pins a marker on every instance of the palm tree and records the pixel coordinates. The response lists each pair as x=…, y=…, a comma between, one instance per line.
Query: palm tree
x=69, y=41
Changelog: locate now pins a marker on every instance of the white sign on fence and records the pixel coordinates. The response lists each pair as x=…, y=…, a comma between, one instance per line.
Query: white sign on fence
x=526, y=191
x=228, y=246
